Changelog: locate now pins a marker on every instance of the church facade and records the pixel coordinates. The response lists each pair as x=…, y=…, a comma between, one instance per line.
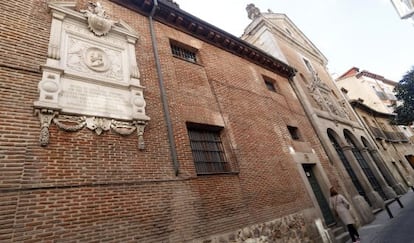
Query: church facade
x=351, y=150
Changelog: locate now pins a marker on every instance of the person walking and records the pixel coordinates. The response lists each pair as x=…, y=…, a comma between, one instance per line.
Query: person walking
x=341, y=207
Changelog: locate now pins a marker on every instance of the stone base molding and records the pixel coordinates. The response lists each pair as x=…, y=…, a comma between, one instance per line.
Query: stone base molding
x=364, y=210
x=291, y=228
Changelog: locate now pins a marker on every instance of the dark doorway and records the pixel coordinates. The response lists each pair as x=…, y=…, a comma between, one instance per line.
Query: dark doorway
x=323, y=203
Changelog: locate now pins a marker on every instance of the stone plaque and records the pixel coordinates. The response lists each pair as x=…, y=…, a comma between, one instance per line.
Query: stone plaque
x=95, y=100
x=91, y=77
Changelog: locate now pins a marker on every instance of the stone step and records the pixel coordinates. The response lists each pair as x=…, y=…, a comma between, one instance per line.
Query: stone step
x=338, y=230
x=342, y=238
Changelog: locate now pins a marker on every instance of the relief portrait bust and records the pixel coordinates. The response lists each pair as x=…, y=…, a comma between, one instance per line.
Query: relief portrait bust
x=96, y=59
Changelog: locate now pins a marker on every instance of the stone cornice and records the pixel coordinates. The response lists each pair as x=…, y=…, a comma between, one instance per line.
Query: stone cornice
x=359, y=104
x=315, y=53
x=183, y=21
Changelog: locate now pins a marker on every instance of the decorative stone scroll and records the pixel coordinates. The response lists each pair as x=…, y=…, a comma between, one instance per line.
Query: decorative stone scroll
x=320, y=92
x=91, y=77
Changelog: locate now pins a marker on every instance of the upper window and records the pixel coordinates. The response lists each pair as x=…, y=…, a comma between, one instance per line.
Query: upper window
x=294, y=132
x=186, y=53
x=308, y=65
x=270, y=84
x=207, y=149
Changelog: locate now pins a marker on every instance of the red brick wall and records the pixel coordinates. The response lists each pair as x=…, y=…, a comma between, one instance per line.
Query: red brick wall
x=102, y=188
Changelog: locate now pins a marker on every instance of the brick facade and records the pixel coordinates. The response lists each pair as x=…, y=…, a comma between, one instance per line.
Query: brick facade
x=87, y=187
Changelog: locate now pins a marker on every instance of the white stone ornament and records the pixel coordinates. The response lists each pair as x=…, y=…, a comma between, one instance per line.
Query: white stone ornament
x=99, y=22
x=97, y=60
x=90, y=78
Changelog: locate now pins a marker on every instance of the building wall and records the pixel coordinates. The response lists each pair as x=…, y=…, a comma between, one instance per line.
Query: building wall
x=361, y=88
x=88, y=187
x=391, y=144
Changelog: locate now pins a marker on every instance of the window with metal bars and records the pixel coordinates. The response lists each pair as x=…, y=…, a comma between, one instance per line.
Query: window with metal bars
x=183, y=53
x=208, y=151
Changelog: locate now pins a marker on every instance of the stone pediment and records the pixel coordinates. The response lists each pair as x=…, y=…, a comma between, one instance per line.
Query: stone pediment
x=291, y=31
x=91, y=73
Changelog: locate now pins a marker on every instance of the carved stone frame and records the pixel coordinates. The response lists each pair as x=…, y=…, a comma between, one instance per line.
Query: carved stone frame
x=100, y=36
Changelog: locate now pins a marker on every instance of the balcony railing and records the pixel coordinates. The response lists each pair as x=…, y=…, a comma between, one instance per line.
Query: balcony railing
x=377, y=132
x=391, y=136
x=388, y=136
x=402, y=137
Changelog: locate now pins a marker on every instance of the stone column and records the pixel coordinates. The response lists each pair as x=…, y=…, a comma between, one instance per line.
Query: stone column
x=373, y=196
x=389, y=192
x=398, y=188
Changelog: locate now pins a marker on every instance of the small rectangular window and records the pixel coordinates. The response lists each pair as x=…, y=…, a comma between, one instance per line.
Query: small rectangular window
x=183, y=52
x=207, y=149
x=308, y=65
x=294, y=132
x=270, y=84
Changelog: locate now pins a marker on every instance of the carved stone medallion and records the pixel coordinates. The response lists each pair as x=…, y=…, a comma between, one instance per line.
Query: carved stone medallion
x=97, y=60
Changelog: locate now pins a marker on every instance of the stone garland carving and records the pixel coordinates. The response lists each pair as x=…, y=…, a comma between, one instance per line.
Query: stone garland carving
x=97, y=124
x=70, y=123
x=140, y=130
x=45, y=117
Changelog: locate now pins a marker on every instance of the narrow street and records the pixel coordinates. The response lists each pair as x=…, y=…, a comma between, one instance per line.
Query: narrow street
x=392, y=230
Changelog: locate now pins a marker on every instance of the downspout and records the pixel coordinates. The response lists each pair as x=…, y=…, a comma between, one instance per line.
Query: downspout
x=164, y=100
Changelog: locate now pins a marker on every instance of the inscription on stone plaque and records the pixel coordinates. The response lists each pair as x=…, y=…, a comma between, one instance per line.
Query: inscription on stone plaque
x=97, y=100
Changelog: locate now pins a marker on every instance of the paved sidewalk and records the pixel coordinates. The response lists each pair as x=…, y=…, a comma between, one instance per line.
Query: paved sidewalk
x=372, y=233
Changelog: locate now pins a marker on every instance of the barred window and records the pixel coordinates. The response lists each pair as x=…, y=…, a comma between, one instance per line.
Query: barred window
x=184, y=53
x=207, y=149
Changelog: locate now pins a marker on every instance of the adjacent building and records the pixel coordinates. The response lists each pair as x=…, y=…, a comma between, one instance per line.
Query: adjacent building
x=405, y=9
x=352, y=154
x=371, y=95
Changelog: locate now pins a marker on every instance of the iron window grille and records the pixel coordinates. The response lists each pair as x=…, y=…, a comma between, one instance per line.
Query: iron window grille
x=208, y=151
x=183, y=53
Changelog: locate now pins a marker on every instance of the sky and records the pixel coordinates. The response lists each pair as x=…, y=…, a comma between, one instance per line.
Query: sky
x=367, y=34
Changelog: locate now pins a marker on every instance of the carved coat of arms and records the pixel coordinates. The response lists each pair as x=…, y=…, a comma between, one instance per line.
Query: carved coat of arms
x=98, y=20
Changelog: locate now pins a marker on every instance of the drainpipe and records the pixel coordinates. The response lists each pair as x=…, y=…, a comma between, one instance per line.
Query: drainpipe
x=164, y=100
